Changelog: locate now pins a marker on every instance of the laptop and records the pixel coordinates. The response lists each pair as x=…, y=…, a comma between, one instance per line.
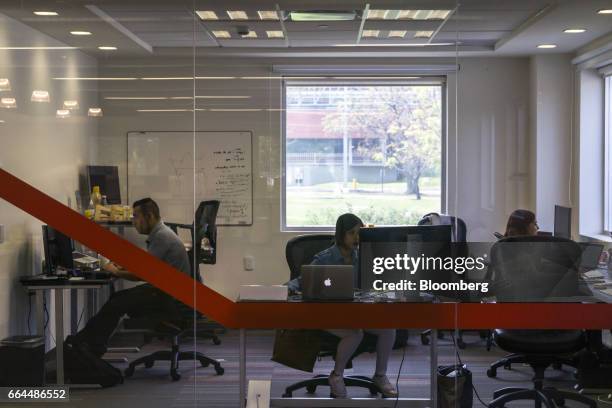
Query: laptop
x=327, y=282
x=589, y=259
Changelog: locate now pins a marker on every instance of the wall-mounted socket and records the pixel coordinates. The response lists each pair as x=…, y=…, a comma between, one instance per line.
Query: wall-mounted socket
x=249, y=263
x=1, y=233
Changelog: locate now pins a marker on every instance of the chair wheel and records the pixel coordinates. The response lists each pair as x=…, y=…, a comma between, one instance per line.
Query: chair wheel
x=311, y=389
x=216, y=341
x=129, y=371
x=491, y=373
x=219, y=370
x=424, y=339
x=149, y=364
x=461, y=344
x=175, y=375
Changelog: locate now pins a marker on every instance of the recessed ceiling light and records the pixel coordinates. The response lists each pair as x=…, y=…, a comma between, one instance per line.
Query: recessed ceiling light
x=397, y=33
x=107, y=48
x=547, y=46
x=268, y=15
x=46, y=13
x=423, y=34
x=275, y=34
x=574, y=30
x=207, y=15
x=377, y=14
x=221, y=34
x=604, y=11
x=1, y=121
x=322, y=15
x=62, y=113
x=237, y=15
x=95, y=112
x=71, y=105
x=422, y=14
x=251, y=34
x=370, y=33
x=40, y=96
x=80, y=32
x=9, y=103
x=5, y=84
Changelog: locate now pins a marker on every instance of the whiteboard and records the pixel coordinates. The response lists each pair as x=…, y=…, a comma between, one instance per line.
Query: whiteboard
x=162, y=165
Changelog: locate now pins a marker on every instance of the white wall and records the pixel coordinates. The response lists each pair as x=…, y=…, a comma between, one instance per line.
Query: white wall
x=493, y=116
x=552, y=107
x=39, y=149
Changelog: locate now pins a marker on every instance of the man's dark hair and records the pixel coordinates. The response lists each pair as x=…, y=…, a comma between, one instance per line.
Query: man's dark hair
x=148, y=206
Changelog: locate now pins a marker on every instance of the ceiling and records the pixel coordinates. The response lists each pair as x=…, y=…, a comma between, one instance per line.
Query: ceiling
x=160, y=28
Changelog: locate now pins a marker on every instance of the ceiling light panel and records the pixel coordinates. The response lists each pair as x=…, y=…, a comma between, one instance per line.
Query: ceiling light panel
x=80, y=33
x=71, y=105
x=251, y=34
x=237, y=15
x=62, y=113
x=207, y=15
x=5, y=84
x=275, y=34
x=9, y=103
x=422, y=14
x=268, y=15
x=221, y=34
x=604, y=11
x=46, y=13
x=40, y=96
x=370, y=33
x=547, y=46
x=423, y=34
x=107, y=48
x=397, y=33
x=377, y=14
x=95, y=112
x=574, y=30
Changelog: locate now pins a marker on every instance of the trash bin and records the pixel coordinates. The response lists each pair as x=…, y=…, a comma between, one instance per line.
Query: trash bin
x=22, y=359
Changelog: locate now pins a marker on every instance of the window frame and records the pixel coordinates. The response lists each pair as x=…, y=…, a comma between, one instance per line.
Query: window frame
x=607, y=227
x=382, y=81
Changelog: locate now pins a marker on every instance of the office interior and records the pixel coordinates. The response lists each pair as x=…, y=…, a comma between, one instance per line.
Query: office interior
x=520, y=119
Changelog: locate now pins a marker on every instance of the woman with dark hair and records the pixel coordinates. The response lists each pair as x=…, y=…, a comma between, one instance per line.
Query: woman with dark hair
x=521, y=222
x=344, y=252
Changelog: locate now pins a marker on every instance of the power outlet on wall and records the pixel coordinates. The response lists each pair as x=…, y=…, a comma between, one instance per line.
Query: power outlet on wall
x=249, y=263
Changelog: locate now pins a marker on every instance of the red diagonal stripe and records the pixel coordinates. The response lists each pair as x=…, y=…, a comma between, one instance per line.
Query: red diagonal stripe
x=295, y=315
x=112, y=246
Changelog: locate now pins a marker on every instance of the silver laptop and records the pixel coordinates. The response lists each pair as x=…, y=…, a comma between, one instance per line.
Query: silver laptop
x=327, y=282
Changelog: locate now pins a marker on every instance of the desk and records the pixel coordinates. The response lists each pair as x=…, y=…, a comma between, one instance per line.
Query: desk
x=366, y=402
x=39, y=285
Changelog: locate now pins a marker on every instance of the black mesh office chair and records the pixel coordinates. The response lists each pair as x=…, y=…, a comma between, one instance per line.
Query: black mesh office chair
x=536, y=268
x=301, y=251
x=458, y=234
x=180, y=324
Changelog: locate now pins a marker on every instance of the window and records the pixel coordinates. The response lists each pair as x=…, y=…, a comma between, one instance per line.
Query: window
x=374, y=149
x=608, y=156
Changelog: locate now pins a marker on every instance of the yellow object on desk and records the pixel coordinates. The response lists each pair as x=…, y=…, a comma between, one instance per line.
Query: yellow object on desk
x=103, y=213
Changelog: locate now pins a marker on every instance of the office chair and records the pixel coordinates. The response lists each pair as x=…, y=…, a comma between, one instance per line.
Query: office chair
x=301, y=251
x=458, y=234
x=534, y=268
x=181, y=324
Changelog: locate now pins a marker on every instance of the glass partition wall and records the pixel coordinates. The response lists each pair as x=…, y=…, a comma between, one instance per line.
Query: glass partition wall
x=213, y=151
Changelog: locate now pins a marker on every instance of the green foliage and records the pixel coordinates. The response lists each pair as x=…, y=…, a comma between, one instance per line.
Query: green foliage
x=402, y=127
x=370, y=215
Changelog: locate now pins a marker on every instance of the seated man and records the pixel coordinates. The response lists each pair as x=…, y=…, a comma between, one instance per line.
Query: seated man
x=141, y=300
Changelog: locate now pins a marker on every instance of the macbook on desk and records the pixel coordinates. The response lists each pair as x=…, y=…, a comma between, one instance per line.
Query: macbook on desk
x=327, y=282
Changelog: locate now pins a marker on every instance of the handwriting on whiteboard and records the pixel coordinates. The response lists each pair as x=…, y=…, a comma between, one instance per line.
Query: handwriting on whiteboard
x=233, y=181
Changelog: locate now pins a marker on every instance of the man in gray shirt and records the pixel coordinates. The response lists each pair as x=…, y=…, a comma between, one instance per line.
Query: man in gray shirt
x=141, y=300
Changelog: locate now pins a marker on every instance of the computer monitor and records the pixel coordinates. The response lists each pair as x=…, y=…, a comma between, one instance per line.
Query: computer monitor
x=427, y=240
x=107, y=178
x=58, y=250
x=563, y=222
x=591, y=252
